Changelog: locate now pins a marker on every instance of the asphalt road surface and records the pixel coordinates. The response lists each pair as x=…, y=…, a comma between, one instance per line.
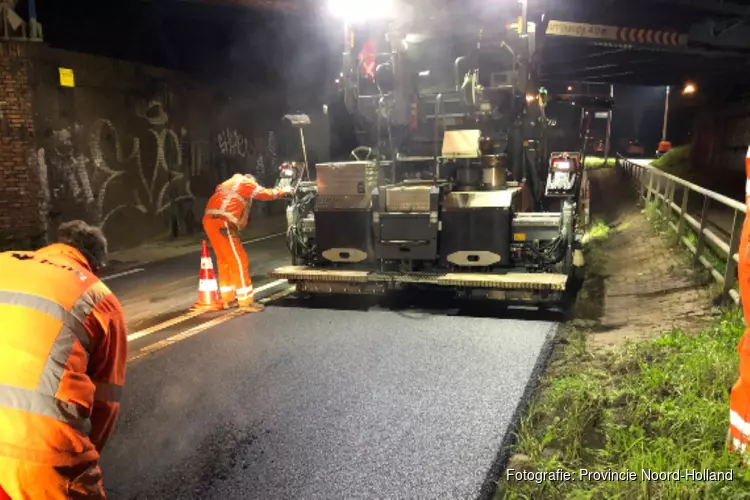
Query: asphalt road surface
x=308, y=400
x=157, y=291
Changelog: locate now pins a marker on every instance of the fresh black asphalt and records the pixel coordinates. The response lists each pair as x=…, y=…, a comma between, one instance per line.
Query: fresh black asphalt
x=327, y=402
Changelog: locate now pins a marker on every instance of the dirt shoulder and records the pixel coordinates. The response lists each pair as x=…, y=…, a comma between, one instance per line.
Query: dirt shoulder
x=639, y=284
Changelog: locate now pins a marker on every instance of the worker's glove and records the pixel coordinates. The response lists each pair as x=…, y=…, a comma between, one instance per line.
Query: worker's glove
x=287, y=191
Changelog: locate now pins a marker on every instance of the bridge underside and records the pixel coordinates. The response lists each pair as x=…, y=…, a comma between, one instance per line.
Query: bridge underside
x=574, y=61
x=713, y=48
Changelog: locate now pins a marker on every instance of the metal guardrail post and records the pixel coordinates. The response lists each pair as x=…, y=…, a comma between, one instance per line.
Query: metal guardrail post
x=701, y=235
x=730, y=269
x=649, y=190
x=683, y=212
x=658, y=198
x=670, y=196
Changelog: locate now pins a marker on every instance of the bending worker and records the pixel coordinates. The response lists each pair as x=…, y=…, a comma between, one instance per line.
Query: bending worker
x=63, y=350
x=227, y=213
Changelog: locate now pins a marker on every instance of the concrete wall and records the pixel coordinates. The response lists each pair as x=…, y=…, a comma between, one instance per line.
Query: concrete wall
x=720, y=143
x=733, y=126
x=132, y=148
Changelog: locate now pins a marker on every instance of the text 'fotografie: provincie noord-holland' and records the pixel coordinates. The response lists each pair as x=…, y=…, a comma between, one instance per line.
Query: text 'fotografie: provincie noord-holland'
x=619, y=475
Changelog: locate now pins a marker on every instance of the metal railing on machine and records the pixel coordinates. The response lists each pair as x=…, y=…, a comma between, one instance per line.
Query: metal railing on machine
x=660, y=188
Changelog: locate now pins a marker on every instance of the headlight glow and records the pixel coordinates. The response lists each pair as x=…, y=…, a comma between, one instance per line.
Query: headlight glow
x=362, y=10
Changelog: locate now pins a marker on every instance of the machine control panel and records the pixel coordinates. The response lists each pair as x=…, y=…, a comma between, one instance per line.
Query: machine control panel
x=564, y=173
x=288, y=174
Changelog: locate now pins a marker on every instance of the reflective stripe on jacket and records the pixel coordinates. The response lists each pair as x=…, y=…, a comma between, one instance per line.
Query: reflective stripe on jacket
x=233, y=199
x=63, y=351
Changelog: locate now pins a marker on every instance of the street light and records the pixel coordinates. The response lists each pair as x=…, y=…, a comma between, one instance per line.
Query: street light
x=666, y=116
x=689, y=89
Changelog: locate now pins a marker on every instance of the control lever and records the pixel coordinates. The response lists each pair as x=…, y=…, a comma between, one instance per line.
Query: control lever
x=300, y=121
x=287, y=173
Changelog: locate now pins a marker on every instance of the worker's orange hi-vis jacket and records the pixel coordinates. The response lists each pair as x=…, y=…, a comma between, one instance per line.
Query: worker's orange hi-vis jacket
x=739, y=399
x=234, y=197
x=63, y=350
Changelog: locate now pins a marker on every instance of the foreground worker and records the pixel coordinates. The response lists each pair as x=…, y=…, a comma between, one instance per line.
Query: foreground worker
x=63, y=349
x=227, y=213
x=739, y=401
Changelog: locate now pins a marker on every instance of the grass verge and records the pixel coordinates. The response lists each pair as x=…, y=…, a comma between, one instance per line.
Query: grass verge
x=595, y=162
x=676, y=162
x=656, y=406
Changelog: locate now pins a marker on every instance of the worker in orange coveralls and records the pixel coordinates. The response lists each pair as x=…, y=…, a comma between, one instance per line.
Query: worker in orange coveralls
x=63, y=351
x=739, y=401
x=227, y=213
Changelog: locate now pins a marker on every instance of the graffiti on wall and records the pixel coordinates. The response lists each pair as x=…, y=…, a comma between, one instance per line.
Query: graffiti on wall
x=156, y=187
x=139, y=180
x=232, y=143
x=67, y=174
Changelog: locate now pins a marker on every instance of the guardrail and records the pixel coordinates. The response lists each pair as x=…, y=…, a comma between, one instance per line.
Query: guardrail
x=655, y=186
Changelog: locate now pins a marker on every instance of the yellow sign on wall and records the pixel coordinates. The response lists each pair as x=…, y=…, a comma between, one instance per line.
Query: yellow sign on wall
x=67, y=78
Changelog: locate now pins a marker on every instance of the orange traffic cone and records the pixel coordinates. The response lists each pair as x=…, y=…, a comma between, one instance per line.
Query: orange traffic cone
x=209, y=298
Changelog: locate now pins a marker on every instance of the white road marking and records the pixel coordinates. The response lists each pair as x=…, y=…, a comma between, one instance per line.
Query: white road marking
x=255, y=240
x=163, y=325
x=279, y=295
x=184, y=317
x=269, y=285
x=184, y=335
x=124, y=273
x=198, y=328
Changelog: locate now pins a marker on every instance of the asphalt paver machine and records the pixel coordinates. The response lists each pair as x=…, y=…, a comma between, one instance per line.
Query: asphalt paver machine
x=452, y=186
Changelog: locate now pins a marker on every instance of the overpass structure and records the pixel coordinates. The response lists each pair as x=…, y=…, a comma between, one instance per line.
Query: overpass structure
x=644, y=42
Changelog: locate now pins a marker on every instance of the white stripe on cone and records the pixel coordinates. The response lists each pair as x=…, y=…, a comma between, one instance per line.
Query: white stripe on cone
x=207, y=286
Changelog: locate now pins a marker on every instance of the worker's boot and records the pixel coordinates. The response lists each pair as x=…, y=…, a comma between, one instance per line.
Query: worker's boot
x=250, y=307
x=229, y=304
